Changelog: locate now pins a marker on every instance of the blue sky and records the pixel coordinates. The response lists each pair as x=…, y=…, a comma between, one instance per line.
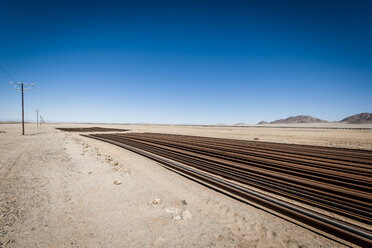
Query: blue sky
x=198, y=62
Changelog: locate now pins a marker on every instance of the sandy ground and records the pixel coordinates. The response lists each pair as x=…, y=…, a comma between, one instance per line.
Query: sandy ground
x=58, y=189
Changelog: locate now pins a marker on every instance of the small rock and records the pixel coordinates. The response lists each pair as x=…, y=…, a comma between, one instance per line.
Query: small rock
x=184, y=202
x=256, y=138
x=89, y=172
x=186, y=215
x=117, y=182
x=157, y=201
x=115, y=163
x=82, y=153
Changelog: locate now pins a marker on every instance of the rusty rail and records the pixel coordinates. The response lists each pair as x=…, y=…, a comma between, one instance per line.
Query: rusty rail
x=335, y=180
x=90, y=129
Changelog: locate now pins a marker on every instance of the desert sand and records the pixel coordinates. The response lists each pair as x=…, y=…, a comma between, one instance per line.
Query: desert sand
x=59, y=189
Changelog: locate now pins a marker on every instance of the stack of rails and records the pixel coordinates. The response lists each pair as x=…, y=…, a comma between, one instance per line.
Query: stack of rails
x=91, y=129
x=336, y=183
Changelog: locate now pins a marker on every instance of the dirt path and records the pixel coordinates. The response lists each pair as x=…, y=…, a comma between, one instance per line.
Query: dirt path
x=58, y=190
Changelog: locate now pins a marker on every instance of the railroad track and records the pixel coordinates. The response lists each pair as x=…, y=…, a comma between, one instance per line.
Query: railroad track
x=90, y=129
x=328, y=189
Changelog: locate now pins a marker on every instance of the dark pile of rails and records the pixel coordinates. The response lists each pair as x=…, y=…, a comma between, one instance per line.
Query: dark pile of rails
x=91, y=129
x=336, y=180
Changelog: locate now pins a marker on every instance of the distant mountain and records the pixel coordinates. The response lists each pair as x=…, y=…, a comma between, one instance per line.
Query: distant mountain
x=358, y=118
x=262, y=122
x=298, y=119
x=295, y=119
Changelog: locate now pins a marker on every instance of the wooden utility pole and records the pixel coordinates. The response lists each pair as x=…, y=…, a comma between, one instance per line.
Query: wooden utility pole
x=20, y=87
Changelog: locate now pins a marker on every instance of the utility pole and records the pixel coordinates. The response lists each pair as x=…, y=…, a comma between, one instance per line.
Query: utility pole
x=37, y=117
x=21, y=88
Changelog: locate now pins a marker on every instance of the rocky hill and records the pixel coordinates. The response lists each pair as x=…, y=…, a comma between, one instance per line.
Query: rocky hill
x=358, y=118
x=295, y=119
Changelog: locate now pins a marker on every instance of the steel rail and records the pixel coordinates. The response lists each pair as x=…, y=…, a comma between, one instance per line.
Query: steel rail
x=294, y=165
x=90, y=129
x=232, y=163
x=281, y=156
x=338, y=228
x=345, y=207
x=321, y=151
x=224, y=160
x=361, y=156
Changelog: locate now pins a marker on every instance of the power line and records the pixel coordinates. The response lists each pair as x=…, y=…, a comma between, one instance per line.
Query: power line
x=22, y=87
x=11, y=77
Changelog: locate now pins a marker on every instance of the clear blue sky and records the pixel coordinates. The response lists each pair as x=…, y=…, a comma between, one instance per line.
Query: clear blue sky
x=200, y=62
